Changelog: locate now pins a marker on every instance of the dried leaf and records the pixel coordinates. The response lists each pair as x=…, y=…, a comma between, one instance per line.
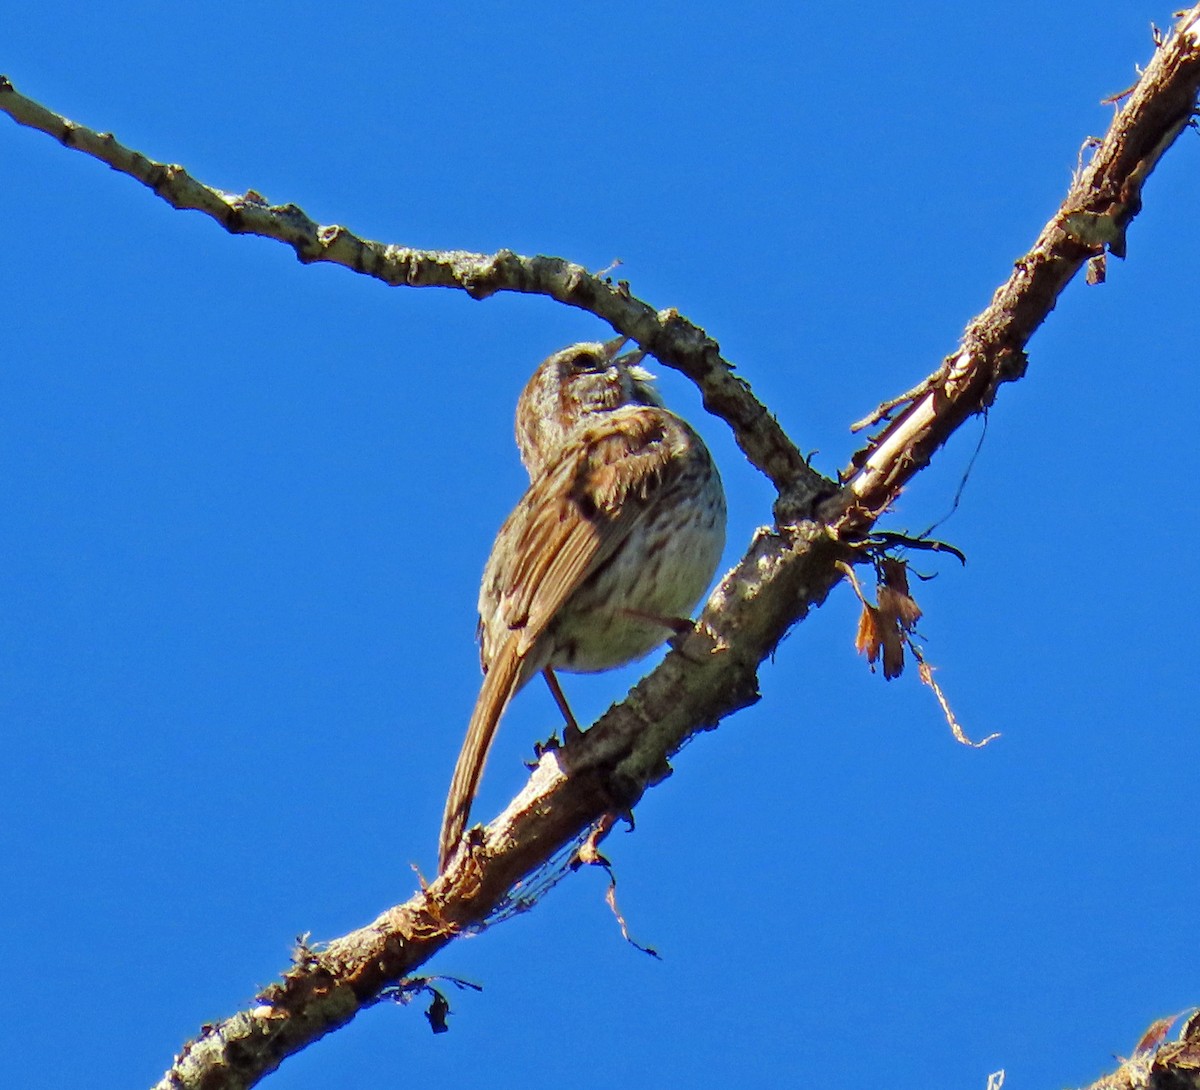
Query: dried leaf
x=895, y=599
x=868, y=640
x=893, y=573
x=1155, y=1034
x=900, y=607
x=882, y=628
x=893, y=650
x=439, y=1007
x=405, y=991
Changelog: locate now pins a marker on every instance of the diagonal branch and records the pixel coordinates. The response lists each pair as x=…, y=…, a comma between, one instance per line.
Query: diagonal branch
x=1102, y=201
x=787, y=570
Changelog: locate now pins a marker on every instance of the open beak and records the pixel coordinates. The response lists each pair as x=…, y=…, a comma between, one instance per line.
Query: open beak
x=630, y=359
x=611, y=348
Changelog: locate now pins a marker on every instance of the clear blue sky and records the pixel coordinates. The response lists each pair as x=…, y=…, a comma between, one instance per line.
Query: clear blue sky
x=246, y=504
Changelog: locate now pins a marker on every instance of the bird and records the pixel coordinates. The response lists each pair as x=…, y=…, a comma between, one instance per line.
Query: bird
x=570, y=384
x=605, y=555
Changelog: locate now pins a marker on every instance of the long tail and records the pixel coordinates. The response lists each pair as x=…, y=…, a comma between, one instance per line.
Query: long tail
x=499, y=684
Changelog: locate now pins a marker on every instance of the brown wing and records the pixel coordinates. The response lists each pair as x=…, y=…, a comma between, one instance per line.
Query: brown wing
x=574, y=516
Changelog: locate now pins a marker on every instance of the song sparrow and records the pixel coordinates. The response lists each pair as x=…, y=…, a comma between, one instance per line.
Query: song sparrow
x=615, y=540
x=581, y=379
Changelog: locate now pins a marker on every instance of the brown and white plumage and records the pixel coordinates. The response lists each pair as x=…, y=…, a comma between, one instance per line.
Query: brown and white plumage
x=618, y=535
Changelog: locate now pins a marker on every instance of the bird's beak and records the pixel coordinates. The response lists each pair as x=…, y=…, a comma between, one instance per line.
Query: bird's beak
x=630, y=359
x=611, y=348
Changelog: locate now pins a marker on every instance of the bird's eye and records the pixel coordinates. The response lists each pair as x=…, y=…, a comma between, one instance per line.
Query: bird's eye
x=589, y=365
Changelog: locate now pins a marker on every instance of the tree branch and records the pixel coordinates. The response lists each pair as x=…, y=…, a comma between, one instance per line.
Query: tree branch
x=788, y=569
x=665, y=334
x=1101, y=203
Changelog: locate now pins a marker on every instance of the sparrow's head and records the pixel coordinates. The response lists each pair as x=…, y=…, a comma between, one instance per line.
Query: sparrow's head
x=572, y=385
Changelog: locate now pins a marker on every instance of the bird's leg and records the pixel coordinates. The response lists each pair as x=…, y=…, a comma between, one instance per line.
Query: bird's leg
x=571, y=729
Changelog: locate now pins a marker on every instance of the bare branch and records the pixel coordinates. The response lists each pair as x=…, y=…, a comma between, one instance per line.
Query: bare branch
x=1102, y=201
x=665, y=333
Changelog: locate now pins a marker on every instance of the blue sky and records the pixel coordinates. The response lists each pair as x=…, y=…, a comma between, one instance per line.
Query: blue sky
x=246, y=505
